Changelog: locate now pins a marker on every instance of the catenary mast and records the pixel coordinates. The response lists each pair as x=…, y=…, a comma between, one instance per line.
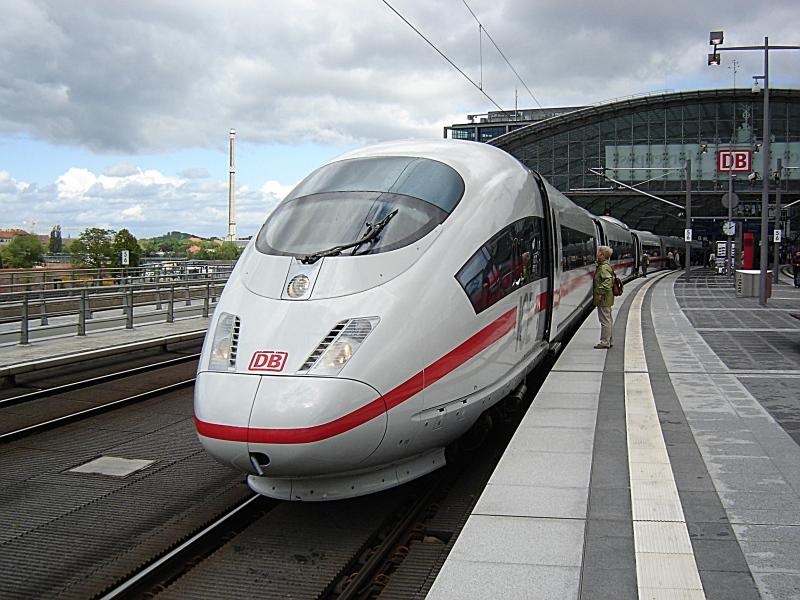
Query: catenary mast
x=232, y=192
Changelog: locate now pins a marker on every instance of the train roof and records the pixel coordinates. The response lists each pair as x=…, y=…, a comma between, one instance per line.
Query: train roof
x=478, y=164
x=616, y=221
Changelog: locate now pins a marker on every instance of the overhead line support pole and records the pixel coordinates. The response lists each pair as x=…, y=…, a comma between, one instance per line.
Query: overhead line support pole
x=777, y=245
x=688, y=251
x=764, y=257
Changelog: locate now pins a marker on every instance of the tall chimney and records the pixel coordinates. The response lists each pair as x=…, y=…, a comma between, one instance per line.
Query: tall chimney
x=232, y=193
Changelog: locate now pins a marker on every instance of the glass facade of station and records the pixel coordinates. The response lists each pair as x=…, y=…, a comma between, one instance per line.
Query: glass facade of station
x=645, y=142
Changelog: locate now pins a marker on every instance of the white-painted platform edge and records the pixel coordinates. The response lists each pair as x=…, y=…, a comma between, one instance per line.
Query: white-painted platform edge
x=665, y=563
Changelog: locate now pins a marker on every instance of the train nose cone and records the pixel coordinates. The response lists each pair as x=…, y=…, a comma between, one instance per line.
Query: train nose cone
x=288, y=426
x=222, y=405
x=315, y=425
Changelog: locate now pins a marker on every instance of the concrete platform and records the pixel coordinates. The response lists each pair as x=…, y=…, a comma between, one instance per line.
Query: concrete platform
x=666, y=467
x=60, y=351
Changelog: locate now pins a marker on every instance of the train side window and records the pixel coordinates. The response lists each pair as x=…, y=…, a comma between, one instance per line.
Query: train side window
x=474, y=279
x=577, y=249
x=529, y=250
x=621, y=250
x=512, y=258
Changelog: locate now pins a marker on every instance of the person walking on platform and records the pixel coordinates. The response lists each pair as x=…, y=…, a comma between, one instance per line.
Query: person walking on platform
x=677, y=264
x=670, y=260
x=796, y=268
x=645, y=264
x=712, y=261
x=604, y=296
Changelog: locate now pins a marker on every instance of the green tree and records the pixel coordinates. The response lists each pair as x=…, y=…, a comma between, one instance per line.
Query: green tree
x=56, y=244
x=124, y=240
x=93, y=248
x=226, y=251
x=67, y=245
x=23, y=251
x=149, y=247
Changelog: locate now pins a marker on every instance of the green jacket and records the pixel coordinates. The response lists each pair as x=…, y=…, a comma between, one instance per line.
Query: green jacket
x=603, y=278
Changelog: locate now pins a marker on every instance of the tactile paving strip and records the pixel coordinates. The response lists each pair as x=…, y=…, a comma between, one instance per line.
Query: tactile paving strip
x=665, y=562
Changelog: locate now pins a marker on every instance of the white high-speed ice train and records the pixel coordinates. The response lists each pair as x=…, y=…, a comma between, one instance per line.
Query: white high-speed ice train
x=396, y=294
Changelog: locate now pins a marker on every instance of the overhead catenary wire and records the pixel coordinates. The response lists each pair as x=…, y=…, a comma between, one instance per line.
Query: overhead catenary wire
x=482, y=28
x=442, y=54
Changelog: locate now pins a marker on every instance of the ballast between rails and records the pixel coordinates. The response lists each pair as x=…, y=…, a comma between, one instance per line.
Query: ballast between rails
x=339, y=362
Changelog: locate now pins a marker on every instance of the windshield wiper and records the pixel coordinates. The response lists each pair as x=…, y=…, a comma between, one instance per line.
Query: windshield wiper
x=372, y=233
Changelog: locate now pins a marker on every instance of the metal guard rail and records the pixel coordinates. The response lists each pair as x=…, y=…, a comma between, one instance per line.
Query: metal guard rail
x=41, y=280
x=209, y=291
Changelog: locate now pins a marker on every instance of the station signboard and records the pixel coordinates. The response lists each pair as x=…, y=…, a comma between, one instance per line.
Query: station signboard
x=734, y=161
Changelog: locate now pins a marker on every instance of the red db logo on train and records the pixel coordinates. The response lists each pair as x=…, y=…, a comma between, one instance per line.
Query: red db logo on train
x=267, y=360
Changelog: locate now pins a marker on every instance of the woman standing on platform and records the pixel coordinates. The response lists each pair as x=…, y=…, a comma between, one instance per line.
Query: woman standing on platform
x=604, y=296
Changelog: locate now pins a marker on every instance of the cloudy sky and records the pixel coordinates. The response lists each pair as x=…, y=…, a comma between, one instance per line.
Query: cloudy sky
x=116, y=113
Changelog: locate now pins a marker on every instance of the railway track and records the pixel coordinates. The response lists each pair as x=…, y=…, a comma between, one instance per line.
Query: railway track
x=73, y=534
x=388, y=545
x=32, y=412
x=187, y=527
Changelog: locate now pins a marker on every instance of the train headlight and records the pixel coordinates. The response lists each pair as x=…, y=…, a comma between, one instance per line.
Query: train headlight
x=346, y=343
x=298, y=286
x=224, y=343
x=337, y=355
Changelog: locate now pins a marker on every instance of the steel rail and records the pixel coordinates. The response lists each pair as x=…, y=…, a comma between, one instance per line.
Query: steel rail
x=43, y=393
x=58, y=421
x=164, y=565
x=359, y=585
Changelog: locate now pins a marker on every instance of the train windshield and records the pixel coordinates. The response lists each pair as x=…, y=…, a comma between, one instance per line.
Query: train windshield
x=339, y=205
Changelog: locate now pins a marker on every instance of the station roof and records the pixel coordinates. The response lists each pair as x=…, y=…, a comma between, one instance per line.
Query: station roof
x=637, y=210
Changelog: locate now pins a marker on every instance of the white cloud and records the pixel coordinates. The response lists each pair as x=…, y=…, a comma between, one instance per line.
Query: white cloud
x=75, y=182
x=133, y=213
x=126, y=79
x=154, y=77
x=148, y=202
x=121, y=170
x=277, y=189
x=8, y=183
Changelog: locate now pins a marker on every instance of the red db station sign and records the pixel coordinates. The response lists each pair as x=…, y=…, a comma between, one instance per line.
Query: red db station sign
x=734, y=161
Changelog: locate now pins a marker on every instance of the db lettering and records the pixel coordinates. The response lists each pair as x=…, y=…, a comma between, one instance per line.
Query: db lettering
x=267, y=360
x=737, y=161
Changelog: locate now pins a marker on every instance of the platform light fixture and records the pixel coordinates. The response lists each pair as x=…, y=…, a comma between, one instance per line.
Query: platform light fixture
x=715, y=38
x=714, y=60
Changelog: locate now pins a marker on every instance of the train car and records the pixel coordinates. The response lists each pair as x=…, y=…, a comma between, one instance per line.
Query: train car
x=390, y=300
x=673, y=245
x=618, y=236
x=576, y=236
x=650, y=243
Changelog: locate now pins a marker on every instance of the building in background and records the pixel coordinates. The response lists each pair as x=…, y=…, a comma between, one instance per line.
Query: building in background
x=635, y=139
x=6, y=235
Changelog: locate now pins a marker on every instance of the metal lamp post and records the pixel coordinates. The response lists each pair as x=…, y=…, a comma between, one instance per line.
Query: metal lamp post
x=715, y=40
x=777, y=244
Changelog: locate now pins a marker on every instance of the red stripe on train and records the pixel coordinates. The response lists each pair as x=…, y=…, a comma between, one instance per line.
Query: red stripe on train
x=412, y=386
